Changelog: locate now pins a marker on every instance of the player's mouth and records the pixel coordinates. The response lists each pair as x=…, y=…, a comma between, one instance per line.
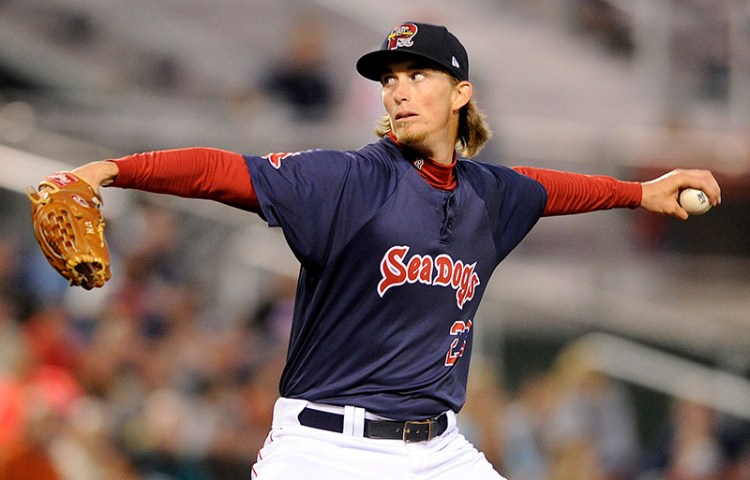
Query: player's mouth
x=405, y=115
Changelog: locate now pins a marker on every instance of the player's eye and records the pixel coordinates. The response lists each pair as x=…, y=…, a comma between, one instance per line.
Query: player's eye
x=419, y=75
x=387, y=80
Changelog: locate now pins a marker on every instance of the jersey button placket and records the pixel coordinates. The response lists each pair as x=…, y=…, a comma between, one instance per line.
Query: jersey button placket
x=448, y=221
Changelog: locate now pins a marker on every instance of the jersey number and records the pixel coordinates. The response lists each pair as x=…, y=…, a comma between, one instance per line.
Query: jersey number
x=460, y=330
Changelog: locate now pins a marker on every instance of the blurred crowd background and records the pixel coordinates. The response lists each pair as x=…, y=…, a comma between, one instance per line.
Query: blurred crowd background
x=612, y=346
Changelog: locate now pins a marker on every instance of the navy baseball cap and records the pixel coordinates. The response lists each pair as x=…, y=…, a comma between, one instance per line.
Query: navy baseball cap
x=421, y=40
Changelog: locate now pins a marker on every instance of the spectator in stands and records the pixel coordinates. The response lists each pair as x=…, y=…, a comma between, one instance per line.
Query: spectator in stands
x=301, y=79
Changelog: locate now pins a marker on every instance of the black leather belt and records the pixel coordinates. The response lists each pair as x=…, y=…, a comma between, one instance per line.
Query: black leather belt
x=409, y=431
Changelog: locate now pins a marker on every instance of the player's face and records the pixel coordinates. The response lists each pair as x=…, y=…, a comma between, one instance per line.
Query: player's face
x=423, y=105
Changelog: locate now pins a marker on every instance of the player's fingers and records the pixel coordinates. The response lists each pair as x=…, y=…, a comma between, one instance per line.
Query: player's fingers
x=713, y=190
x=709, y=185
x=680, y=213
x=671, y=207
x=702, y=180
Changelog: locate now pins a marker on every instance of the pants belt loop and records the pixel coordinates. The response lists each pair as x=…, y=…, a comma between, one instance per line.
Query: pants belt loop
x=359, y=422
x=354, y=421
x=348, y=421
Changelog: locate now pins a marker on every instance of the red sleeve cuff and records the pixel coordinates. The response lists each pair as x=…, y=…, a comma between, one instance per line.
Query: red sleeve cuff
x=632, y=194
x=126, y=171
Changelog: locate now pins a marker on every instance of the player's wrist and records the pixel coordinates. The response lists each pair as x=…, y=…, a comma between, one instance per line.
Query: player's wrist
x=98, y=174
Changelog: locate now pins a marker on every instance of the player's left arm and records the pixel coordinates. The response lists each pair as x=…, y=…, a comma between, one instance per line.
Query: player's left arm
x=569, y=193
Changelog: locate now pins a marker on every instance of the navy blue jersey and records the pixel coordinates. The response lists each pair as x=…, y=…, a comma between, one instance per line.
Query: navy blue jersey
x=392, y=271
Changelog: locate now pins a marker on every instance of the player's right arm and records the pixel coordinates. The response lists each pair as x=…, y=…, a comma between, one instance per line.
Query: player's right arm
x=198, y=172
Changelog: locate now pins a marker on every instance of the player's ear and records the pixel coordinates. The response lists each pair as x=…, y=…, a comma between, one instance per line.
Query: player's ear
x=462, y=94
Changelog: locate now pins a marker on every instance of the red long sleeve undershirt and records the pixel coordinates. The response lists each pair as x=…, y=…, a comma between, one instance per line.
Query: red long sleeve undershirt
x=223, y=176
x=197, y=172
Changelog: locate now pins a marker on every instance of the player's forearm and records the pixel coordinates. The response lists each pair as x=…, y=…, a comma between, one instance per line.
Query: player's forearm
x=190, y=172
x=569, y=193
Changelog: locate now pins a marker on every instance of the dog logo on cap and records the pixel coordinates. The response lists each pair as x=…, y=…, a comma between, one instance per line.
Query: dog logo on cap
x=402, y=36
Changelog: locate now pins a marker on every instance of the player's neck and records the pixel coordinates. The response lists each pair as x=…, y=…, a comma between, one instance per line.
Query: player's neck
x=443, y=154
x=437, y=174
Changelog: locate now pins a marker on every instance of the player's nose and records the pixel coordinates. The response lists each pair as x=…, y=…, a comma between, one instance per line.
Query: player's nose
x=400, y=91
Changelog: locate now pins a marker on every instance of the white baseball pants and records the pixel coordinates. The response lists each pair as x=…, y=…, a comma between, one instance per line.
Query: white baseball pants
x=294, y=451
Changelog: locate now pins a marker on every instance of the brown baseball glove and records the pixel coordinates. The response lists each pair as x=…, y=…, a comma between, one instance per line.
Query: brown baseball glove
x=69, y=226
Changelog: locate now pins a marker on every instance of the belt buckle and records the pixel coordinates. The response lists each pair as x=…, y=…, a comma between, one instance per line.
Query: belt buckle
x=410, y=434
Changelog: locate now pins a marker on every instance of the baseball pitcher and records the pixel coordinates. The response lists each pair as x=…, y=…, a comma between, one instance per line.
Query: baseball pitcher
x=397, y=241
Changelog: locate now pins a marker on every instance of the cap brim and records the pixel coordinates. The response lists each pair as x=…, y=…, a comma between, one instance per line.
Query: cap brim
x=374, y=64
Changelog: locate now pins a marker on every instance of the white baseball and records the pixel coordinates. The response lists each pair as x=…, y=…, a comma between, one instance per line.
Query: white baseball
x=694, y=201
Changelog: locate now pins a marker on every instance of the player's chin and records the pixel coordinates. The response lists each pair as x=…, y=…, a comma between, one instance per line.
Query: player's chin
x=409, y=136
